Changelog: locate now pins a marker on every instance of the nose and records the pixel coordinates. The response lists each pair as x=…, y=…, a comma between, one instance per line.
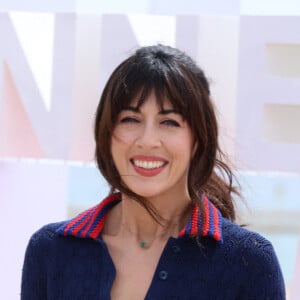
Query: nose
x=148, y=137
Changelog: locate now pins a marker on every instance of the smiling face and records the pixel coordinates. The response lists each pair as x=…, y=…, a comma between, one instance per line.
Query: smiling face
x=152, y=149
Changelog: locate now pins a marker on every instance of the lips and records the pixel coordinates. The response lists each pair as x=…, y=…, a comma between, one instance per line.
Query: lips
x=148, y=166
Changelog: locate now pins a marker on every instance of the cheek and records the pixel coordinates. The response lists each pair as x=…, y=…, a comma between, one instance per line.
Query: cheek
x=117, y=139
x=120, y=144
x=188, y=144
x=122, y=136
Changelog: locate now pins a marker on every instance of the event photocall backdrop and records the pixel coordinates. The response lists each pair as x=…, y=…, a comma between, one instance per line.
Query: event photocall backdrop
x=54, y=64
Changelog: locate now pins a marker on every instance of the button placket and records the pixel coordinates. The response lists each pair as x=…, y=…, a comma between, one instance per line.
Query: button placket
x=163, y=275
x=176, y=249
x=170, y=248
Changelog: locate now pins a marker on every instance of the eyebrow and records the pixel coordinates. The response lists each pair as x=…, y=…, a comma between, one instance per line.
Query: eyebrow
x=162, y=112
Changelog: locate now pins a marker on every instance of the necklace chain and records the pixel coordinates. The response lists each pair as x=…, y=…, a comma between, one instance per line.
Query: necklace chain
x=145, y=245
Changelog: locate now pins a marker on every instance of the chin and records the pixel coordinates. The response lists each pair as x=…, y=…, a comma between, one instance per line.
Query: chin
x=146, y=193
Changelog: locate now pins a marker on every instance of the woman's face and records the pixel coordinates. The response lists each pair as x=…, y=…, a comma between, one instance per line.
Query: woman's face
x=152, y=149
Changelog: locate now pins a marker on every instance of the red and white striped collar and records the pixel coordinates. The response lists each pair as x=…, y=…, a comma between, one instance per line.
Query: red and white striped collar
x=89, y=224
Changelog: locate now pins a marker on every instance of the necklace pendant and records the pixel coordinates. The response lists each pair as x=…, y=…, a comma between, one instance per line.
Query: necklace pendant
x=143, y=244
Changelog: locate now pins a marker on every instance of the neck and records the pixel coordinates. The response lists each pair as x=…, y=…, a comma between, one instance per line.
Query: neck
x=131, y=221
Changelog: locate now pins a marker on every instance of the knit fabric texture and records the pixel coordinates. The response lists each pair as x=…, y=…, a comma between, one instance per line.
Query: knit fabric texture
x=69, y=260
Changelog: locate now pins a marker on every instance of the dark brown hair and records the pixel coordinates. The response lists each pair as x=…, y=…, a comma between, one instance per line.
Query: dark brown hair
x=170, y=73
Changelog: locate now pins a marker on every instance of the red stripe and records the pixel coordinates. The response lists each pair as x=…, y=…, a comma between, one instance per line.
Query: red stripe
x=99, y=208
x=87, y=220
x=182, y=232
x=76, y=219
x=217, y=234
x=95, y=233
x=195, y=217
x=98, y=228
x=206, y=217
x=80, y=225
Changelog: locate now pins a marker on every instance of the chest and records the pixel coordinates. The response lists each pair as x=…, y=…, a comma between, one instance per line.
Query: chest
x=135, y=268
x=179, y=271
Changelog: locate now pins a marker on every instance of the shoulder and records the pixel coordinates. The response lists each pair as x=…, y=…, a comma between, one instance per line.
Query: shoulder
x=250, y=245
x=46, y=233
x=48, y=245
x=250, y=250
x=43, y=239
x=256, y=259
x=244, y=240
x=37, y=259
x=238, y=233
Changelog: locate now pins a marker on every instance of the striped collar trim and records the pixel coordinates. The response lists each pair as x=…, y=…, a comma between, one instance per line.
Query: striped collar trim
x=90, y=223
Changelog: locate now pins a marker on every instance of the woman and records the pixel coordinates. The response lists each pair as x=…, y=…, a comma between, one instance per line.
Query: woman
x=167, y=230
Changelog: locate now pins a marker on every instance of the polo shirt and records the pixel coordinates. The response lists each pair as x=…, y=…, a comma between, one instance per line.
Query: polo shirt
x=70, y=260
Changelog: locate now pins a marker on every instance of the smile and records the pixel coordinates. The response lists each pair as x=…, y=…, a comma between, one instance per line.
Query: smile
x=149, y=165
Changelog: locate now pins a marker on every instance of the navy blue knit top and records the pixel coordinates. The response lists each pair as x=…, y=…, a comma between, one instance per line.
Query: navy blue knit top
x=70, y=261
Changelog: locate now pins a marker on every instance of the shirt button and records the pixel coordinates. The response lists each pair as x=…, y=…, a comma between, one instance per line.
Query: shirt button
x=175, y=249
x=163, y=275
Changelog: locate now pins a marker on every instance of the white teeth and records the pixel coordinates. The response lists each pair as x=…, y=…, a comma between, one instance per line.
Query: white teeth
x=148, y=164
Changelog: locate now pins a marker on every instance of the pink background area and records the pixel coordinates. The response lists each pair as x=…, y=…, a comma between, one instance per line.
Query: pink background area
x=31, y=196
